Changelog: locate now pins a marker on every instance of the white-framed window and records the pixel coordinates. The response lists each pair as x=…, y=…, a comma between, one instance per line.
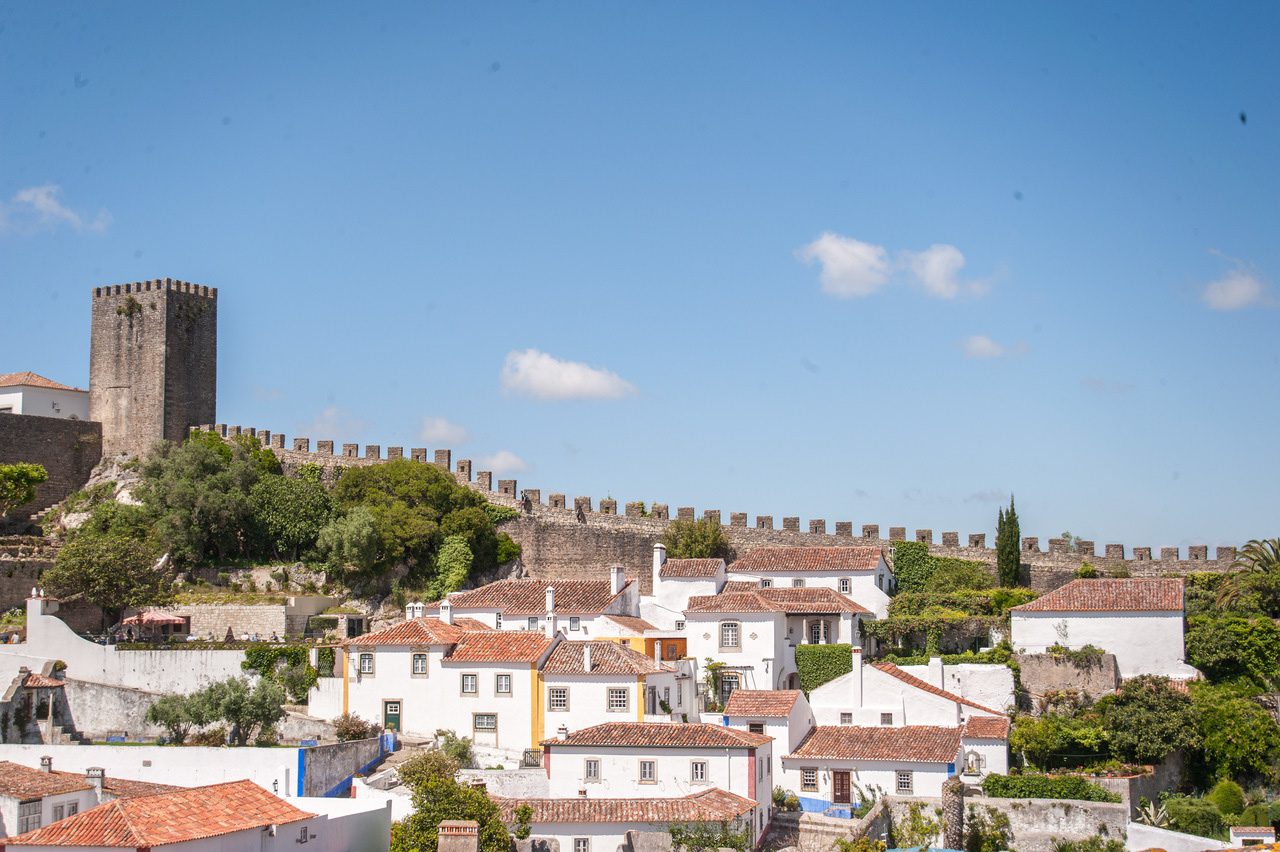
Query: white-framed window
x=809, y=780
x=797, y=583
x=679, y=625
x=419, y=664
x=729, y=681
x=648, y=772
x=619, y=699
x=904, y=783
x=974, y=763
x=698, y=772
x=755, y=727
x=817, y=632
x=28, y=816
x=591, y=769
x=74, y=808
x=846, y=585
x=502, y=684
x=484, y=722
x=846, y=718
x=533, y=622
x=730, y=635
x=470, y=684
x=582, y=844
x=366, y=664
x=766, y=583
x=886, y=718
x=59, y=811
x=558, y=698
x=575, y=623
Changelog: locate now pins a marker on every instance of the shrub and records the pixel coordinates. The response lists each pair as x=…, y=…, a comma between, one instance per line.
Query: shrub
x=1228, y=797
x=1259, y=814
x=1045, y=787
x=1195, y=816
x=457, y=748
x=818, y=664
x=349, y=726
x=951, y=575
x=702, y=539
x=215, y=736
x=912, y=566
x=1086, y=572
x=1089, y=844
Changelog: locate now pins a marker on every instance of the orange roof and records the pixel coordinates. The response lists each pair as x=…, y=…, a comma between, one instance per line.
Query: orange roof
x=803, y=600
x=607, y=658
x=419, y=631
x=1136, y=594
x=174, y=817
x=23, y=782
x=912, y=680
x=661, y=735
x=987, y=728
x=529, y=597
x=499, y=646
x=631, y=622
x=33, y=380
x=772, y=703
x=39, y=681
x=714, y=805
x=701, y=568
x=766, y=559
x=732, y=586
x=909, y=744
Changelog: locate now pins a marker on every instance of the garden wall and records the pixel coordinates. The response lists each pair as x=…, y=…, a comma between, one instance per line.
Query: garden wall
x=1042, y=674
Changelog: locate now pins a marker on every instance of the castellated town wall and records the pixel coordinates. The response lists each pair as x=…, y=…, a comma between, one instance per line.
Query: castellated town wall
x=68, y=450
x=578, y=537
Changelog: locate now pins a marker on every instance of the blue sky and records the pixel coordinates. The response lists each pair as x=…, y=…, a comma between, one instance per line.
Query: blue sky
x=880, y=263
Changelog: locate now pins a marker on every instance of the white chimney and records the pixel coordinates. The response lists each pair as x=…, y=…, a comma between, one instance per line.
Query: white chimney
x=446, y=611
x=586, y=658
x=552, y=624
x=659, y=558
x=617, y=579
x=46, y=763
x=562, y=733
x=97, y=777
x=936, y=674
x=855, y=682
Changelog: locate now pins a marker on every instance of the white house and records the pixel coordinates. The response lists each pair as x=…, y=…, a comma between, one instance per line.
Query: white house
x=837, y=765
x=1140, y=620
x=31, y=798
x=675, y=581
x=754, y=632
x=602, y=825
x=783, y=714
x=597, y=681
x=577, y=606
x=984, y=744
x=861, y=573
x=30, y=393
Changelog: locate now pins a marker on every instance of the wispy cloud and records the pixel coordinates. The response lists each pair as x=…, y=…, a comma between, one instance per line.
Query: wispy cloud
x=981, y=347
x=851, y=268
x=990, y=495
x=937, y=271
x=1238, y=289
x=438, y=430
x=333, y=422
x=39, y=207
x=536, y=374
x=1107, y=387
x=503, y=461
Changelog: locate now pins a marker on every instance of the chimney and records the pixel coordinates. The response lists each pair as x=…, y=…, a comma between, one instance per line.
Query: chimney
x=586, y=657
x=97, y=778
x=855, y=682
x=617, y=579
x=46, y=763
x=659, y=557
x=936, y=672
x=562, y=733
x=458, y=835
x=446, y=611
x=552, y=625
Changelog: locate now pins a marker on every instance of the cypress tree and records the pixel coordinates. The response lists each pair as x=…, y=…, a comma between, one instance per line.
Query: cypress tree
x=1008, y=536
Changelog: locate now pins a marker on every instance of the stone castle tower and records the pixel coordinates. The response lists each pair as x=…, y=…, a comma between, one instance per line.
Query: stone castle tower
x=153, y=367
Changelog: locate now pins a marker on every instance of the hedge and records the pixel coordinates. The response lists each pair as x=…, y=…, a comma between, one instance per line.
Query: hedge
x=1046, y=787
x=969, y=601
x=819, y=664
x=912, y=566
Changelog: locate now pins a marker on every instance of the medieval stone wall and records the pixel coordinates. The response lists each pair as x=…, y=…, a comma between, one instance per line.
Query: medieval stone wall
x=68, y=450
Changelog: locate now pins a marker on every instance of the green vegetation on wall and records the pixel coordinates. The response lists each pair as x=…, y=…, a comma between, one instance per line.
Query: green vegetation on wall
x=1045, y=787
x=818, y=664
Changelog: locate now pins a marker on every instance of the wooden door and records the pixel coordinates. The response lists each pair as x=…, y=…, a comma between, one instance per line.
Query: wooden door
x=840, y=787
x=391, y=715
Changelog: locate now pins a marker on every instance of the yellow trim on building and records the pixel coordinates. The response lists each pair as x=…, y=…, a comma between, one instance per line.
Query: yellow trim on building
x=537, y=720
x=346, y=679
x=640, y=696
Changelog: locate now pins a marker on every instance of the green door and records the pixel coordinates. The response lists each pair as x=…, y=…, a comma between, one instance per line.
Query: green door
x=391, y=715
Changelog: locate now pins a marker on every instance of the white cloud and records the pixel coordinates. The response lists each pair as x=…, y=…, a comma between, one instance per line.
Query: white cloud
x=542, y=376
x=503, y=461
x=39, y=207
x=849, y=267
x=981, y=346
x=439, y=430
x=937, y=269
x=333, y=423
x=1233, y=291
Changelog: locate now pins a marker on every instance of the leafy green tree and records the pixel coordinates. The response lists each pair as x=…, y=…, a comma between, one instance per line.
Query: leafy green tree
x=172, y=713
x=1259, y=555
x=687, y=539
x=524, y=817
x=350, y=540
x=247, y=708
x=453, y=565
x=18, y=484
x=1231, y=648
x=1148, y=719
x=109, y=570
x=438, y=796
x=289, y=512
x=987, y=830
x=1240, y=739
x=1008, y=546
x=953, y=575
x=1041, y=739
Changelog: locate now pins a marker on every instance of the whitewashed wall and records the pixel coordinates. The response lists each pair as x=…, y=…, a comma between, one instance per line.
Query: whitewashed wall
x=988, y=685
x=728, y=769
x=1143, y=642
x=762, y=661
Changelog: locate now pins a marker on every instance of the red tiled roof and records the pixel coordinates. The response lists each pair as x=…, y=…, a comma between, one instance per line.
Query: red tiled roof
x=733, y=586
x=908, y=744
x=1136, y=594
x=419, y=631
x=39, y=681
x=703, y=568
x=23, y=782
x=912, y=680
x=631, y=622
x=175, y=817
x=766, y=559
x=127, y=788
x=714, y=805
x=987, y=728
x=33, y=380
x=770, y=703
x=499, y=646
x=803, y=600
x=607, y=658
x=661, y=735
x=529, y=597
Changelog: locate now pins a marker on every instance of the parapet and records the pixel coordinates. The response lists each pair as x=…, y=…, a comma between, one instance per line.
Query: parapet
x=608, y=506
x=844, y=528
x=1057, y=545
x=818, y=526
x=980, y=540
x=737, y=519
x=684, y=513
x=156, y=285
x=1198, y=552
x=506, y=487
x=418, y=454
x=792, y=523
x=1115, y=551
x=556, y=501
x=897, y=533
x=350, y=451
x=444, y=460
x=1142, y=554
x=373, y=452
x=1086, y=547
x=634, y=510
x=1030, y=544
x=395, y=453
x=924, y=536
x=951, y=539
x=533, y=495
x=712, y=515
x=1169, y=554
x=660, y=512
x=764, y=522
x=484, y=479
x=1227, y=553
x=871, y=531
x=583, y=503
x=463, y=470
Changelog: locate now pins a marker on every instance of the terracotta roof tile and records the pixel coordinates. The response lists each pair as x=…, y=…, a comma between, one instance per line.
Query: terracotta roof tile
x=499, y=646
x=987, y=728
x=912, y=680
x=714, y=805
x=1137, y=594
x=529, y=597
x=804, y=600
x=733, y=586
x=39, y=681
x=631, y=622
x=23, y=782
x=909, y=744
x=419, y=631
x=607, y=658
x=33, y=380
x=661, y=735
x=175, y=817
x=764, y=559
x=698, y=568
x=768, y=703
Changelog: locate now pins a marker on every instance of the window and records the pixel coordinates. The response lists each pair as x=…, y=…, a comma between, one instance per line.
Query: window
x=666, y=696
x=809, y=780
x=817, y=632
x=74, y=807
x=879, y=582
x=729, y=635
x=698, y=772
x=648, y=772
x=497, y=620
x=533, y=622
x=303, y=836
x=679, y=625
x=797, y=583
x=558, y=698
x=846, y=718
x=619, y=700
x=502, y=684
x=591, y=769
x=974, y=763
x=484, y=722
x=886, y=718
x=582, y=844
x=673, y=651
x=904, y=781
x=766, y=583
x=755, y=727
x=59, y=811
x=28, y=816
x=846, y=585
x=470, y=684
x=575, y=623
x=679, y=697
x=419, y=664
x=728, y=683
x=366, y=664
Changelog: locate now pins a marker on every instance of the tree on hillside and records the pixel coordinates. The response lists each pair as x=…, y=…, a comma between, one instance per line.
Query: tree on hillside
x=247, y=709
x=1257, y=555
x=18, y=485
x=1148, y=719
x=1008, y=546
x=110, y=570
x=1240, y=738
x=438, y=796
x=289, y=513
x=702, y=539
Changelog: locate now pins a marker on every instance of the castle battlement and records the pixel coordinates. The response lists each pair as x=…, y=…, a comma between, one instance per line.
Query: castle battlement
x=158, y=284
